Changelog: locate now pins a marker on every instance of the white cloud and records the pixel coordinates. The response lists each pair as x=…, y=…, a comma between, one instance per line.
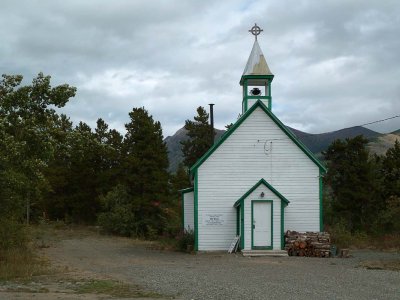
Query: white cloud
x=336, y=63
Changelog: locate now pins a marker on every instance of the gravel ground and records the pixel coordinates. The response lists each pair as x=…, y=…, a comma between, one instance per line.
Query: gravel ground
x=224, y=276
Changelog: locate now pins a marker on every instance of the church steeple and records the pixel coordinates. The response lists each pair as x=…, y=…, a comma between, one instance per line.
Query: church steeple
x=257, y=77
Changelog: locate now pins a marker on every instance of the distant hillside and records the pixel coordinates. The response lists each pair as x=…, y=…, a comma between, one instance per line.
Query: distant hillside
x=396, y=132
x=321, y=141
x=379, y=143
x=382, y=143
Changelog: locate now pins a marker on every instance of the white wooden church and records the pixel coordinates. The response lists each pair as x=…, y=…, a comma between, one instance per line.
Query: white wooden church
x=258, y=180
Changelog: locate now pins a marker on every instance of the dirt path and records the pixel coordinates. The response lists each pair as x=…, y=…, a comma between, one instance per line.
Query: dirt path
x=222, y=276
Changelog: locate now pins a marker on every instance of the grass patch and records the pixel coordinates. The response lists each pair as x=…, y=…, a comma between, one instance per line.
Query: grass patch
x=343, y=238
x=113, y=288
x=17, y=255
x=21, y=264
x=393, y=265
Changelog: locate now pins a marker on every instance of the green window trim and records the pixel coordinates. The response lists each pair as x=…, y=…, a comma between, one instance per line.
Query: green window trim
x=241, y=120
x=272, y=226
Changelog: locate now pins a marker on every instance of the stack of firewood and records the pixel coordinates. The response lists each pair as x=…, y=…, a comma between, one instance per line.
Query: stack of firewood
x=315, y=244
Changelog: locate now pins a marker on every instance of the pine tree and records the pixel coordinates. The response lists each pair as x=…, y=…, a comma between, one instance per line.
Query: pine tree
x=391, y=171
x=199, y=133
x=391, y=188
x=145, y=167
x=83, y=203
x=58, y=171
x=109, y=146
x=180, y=180
x=353, y=180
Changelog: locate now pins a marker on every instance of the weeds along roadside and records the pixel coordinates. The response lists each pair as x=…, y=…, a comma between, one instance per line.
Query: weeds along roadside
x=18, y=258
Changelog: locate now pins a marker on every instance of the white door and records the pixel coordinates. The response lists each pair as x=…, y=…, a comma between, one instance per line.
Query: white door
x=262, y=213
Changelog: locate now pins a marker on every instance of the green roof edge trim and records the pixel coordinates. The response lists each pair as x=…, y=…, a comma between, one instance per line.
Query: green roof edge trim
x=277, y=122
x=270, y=187
x=244, y=77
x=187, y=190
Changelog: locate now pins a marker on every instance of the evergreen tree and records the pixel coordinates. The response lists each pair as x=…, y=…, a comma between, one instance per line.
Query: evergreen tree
x=109, y=146
x=145, y=167
x=391, y=171
x=82, y=202
x=199, y=133
x=391, y=188
x=180, y=180
x=86, y=166
x=229, y=126
x=58, y=171
x=353, y=180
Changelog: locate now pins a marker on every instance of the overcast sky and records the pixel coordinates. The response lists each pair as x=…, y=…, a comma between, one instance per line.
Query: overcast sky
x=336, y=63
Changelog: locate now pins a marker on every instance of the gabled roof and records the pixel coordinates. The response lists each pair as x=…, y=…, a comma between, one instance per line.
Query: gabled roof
x=241, y=120
x=256, y=64
x=270, y=187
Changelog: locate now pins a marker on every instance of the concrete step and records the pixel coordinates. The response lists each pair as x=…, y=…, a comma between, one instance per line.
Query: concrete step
x=274, y=253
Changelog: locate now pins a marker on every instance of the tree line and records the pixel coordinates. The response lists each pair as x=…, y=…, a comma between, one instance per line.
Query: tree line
x=362, y=190
x=53, y=170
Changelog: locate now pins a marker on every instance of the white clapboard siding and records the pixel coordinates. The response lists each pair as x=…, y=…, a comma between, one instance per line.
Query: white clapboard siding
x=188, y=210
x=276, y=216
x=239, y=163
x=251, y=102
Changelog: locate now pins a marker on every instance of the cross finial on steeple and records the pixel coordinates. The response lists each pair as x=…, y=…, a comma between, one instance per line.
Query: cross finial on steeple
x=255, y=30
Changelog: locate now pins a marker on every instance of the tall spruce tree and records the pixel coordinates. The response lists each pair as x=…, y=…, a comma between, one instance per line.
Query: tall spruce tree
x=83, y=203
x=58, y=171
x=145, y=167
x=199, y=141
x=109, y=146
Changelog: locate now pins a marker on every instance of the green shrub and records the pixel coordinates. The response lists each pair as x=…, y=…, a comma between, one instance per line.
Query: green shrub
x=17, y=258
x=118, y=217
x=343, y=238
x=13, y=235
x=184, y=239
x=340, y=234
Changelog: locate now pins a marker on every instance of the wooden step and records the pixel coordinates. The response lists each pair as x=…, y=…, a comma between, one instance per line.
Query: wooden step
x=274, y=253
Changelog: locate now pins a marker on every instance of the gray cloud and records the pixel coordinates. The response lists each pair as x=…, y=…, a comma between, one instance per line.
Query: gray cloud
x=336, y=63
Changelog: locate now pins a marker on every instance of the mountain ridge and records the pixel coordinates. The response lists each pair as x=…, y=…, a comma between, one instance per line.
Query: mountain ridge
x=316, y=142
